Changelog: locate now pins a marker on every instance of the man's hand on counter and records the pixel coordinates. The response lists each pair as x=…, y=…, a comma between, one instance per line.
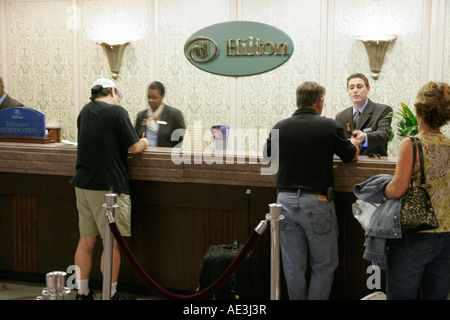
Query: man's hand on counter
x=139, y=146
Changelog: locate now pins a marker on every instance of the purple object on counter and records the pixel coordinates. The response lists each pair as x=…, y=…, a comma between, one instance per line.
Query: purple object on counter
x=220, y=133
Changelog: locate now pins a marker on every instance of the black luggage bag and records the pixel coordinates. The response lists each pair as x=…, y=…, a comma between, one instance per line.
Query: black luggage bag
x=215, y=261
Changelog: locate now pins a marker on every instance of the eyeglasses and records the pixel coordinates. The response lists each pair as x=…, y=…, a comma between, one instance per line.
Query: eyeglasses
x=374, y=155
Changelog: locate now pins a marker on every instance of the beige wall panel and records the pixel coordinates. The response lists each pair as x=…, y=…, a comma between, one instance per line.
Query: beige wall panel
x=41, y=56
x=49, y=62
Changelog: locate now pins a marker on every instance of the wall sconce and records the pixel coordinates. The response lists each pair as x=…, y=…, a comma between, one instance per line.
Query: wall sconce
x=114, y=53
x=376, y=47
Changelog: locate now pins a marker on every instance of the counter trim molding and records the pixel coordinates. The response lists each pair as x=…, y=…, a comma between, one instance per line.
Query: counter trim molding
x=155, y=164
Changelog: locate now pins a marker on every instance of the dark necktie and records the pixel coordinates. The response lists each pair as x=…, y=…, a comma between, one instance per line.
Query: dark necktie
x=358, y=114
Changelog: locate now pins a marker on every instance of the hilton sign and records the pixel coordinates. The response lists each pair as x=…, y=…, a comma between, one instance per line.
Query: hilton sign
x=238, y=48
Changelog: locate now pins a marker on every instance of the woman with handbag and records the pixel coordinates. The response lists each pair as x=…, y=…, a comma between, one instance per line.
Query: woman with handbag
x=419, y=262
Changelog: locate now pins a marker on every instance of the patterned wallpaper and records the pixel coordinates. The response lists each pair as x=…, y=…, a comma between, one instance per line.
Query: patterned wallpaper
x=270, y=97
x=41, y=53
x=203, y=97
x=1, y=40
x=108, y=20
x=446, y=68
x=399, y=78
x=1, y=52
x=52, y=61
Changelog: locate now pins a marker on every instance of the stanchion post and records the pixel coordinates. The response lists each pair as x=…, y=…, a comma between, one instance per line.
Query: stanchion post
x=275, y=216
x=110, y=205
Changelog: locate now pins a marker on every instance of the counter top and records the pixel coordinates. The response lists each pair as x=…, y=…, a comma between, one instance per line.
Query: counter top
x=160, y=164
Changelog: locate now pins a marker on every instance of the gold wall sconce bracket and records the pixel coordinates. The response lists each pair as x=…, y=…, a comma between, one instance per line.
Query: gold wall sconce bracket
x=376, y=47
x=114, y=52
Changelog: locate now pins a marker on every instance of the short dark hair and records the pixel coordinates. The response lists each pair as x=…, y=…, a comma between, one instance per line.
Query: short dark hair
x=309, y=93
x=99, y=91
x=360, y=76
x=433, y=104
x=158, y=86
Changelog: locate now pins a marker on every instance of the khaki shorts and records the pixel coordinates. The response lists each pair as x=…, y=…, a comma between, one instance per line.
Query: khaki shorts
x=92, y=214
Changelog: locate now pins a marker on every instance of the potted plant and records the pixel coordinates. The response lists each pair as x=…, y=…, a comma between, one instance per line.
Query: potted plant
x=406, y=123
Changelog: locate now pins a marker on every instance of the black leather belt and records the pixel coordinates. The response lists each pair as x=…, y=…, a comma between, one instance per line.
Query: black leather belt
x=300, y=191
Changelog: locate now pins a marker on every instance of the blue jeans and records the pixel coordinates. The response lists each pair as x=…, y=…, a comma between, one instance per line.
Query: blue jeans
x=419, y=267
x=309, y=227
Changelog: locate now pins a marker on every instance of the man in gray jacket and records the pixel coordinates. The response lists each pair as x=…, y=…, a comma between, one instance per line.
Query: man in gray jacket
x=365, y=120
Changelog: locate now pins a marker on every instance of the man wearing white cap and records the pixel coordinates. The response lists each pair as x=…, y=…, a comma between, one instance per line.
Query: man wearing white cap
x=105, y=135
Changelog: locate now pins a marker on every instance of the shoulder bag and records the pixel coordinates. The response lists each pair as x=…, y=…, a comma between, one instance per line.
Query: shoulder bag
x=417, y=213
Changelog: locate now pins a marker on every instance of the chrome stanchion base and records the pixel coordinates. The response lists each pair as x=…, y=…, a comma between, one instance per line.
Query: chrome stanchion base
x=55, y=289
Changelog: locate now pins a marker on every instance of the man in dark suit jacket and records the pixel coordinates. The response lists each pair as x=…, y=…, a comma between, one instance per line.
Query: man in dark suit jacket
x=5, y=100
x=170, y=120
x=370, y=127
x=159, y=122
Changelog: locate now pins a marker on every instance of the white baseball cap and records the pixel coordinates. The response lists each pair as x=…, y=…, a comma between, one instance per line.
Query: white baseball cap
x=106, y=83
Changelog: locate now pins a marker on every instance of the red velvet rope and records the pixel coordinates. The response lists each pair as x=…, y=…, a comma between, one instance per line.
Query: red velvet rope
x=163, y=293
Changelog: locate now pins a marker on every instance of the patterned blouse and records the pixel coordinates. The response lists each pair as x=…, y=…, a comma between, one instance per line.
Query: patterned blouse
x=436, y=151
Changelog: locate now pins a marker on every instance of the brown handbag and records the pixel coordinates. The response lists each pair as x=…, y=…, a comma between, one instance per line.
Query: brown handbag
x=417, y=213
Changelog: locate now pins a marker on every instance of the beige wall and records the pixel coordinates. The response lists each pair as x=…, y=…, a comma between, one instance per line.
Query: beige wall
x=49, y=56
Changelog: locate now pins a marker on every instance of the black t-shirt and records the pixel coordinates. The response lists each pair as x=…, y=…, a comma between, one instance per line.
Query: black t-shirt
x=105, y=133
x=307, y=144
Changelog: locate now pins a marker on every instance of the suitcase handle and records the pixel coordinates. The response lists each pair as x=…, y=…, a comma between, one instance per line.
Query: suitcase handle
x=234, y=246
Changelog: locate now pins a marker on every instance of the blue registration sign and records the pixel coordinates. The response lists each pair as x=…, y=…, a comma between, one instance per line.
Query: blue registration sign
x=22, y=122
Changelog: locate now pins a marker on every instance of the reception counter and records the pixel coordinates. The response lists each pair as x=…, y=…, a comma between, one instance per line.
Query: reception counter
x=179, y=210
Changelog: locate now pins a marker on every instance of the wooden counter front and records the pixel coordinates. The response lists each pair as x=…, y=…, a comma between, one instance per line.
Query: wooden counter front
x=156, y=164
x=178, y=211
